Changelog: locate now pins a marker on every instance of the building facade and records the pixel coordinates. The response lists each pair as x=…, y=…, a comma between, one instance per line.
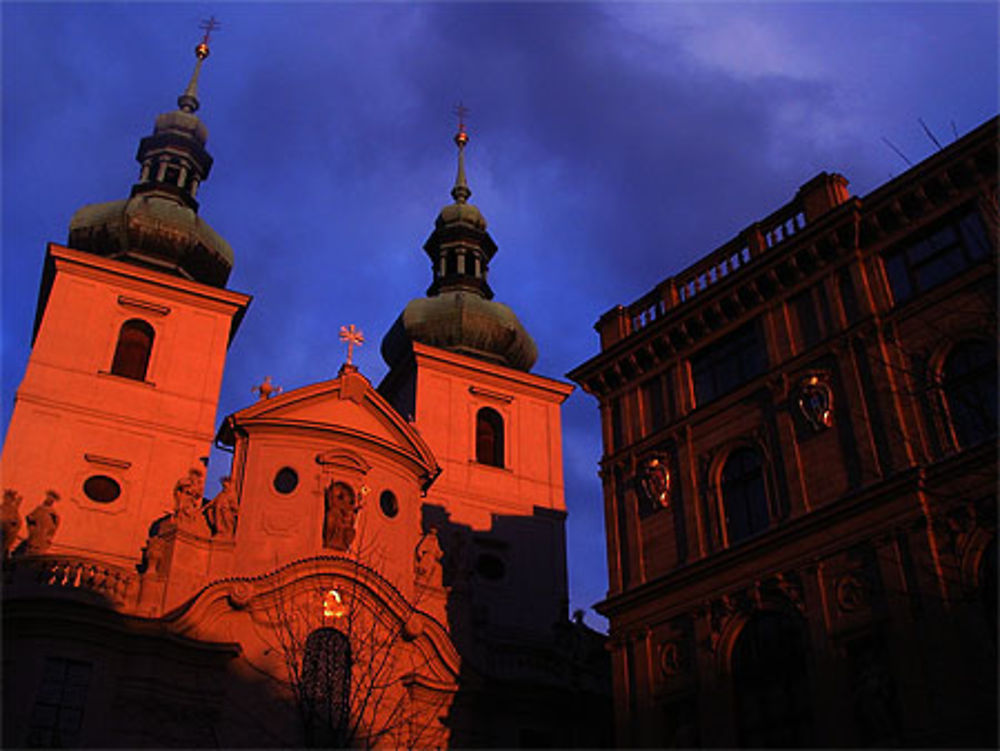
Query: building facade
x=799, y=473
x=382, y=567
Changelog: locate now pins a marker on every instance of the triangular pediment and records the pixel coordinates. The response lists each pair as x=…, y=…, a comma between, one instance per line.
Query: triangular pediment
x=344, y=406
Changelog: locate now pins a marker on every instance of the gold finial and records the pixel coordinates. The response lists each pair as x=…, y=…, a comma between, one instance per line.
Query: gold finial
x=461, y=192
x=208, y=25
x=353, y=337
x=461, y=138
x=188, y=101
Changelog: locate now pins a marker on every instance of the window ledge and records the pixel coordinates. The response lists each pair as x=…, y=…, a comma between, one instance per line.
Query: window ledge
x=124, y=379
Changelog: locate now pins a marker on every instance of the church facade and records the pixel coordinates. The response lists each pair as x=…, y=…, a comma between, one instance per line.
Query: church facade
x=382, y=566
x=799, y=474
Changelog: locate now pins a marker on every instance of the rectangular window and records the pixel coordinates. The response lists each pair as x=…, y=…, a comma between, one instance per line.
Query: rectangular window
x=617, y=424
x=940, y=255
x=848, y=299
x=811, y=313
x=728, y=363
x=57, y=715
x=654, y=404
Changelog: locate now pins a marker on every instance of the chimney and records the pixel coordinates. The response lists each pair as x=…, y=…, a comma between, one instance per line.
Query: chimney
x=823, y=193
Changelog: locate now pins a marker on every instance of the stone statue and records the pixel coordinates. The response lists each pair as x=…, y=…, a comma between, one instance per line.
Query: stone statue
x=156, y=553
x=340, y=512
x=427, y=561
x=222, y=509
x=43, y=522
x=188, y=493
x=10, y=518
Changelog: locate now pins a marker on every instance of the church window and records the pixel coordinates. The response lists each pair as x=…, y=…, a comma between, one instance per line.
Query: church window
x=939, y=256
x=728, y=363
x=57, y=715
x=101, y=488
x=452, y=264
x=135, y=344
x=969, y=381
x=744, y=495
x=326, y=688
x=388, y=503
x=770, y=682
x=286, y=480
x=489, y=437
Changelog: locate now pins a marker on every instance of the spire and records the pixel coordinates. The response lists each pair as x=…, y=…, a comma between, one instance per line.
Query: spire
x=188, y=101
x=461, y=192
x=158, y=224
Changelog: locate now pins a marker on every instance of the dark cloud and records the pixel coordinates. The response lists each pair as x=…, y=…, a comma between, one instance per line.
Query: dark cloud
x=612, y=146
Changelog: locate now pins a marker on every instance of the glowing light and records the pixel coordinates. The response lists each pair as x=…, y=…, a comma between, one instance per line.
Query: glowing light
x=333, y=605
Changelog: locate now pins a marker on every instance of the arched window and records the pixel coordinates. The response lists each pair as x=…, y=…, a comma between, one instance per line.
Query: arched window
x=325, y=688
x=969, y=381
x=489, y=437
x=744, y=495
x=135, y=344
x=769, y=678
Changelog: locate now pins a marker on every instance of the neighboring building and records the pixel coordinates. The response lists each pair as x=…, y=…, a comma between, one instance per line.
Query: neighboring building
x=382, y=567
x=800, y=473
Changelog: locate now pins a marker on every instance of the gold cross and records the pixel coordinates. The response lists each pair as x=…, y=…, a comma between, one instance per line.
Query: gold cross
x=352, y=336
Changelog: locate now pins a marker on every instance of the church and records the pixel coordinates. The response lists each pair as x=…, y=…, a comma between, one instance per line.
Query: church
x=382, y=566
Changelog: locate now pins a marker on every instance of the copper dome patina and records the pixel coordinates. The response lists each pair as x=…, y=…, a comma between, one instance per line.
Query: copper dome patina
x=459, y=313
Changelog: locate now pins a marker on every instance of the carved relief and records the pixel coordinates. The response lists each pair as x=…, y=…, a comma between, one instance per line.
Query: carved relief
x=10, y=519
x=851, y=591
x=815, y=401
x=43, y=521
x=340, y=512
x=673, y=658
x=653, y=482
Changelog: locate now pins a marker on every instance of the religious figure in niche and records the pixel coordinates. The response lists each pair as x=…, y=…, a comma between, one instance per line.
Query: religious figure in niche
x=427, y=561
x=222, y=510
x=816, y=402
x=341, y=509
x=10, y=518
x=653, y=482
x=188, y=494
x=43, y=522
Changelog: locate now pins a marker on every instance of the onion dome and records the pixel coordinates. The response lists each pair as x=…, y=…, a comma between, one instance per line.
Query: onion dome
x=158, y=225
x=459, y=313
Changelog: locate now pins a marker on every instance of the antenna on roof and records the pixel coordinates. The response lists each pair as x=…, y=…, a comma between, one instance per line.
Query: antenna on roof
x=892, y=146
x=954, y=130
x=929, y=134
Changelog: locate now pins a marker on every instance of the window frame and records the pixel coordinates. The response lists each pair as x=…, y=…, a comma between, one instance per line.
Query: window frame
x=496, y=454
x=125, y=363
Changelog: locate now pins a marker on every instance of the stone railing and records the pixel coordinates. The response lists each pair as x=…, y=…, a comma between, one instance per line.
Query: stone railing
x=815, y=198
x=56, y=575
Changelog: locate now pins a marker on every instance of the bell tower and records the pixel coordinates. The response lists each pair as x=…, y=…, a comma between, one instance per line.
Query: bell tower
x=460, y=371
x=133, y=323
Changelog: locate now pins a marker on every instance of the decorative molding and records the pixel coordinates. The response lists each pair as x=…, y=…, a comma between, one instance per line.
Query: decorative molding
x=479, y=391
x=107, y=461
x=149, y=307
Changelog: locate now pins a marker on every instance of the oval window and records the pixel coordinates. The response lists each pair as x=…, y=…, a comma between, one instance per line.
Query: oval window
x=101, y=488
x=286, y=480
x=388, y=503
x=490, y=567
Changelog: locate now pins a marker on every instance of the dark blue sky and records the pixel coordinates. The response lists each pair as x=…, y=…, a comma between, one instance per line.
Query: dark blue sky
x=612, y=145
